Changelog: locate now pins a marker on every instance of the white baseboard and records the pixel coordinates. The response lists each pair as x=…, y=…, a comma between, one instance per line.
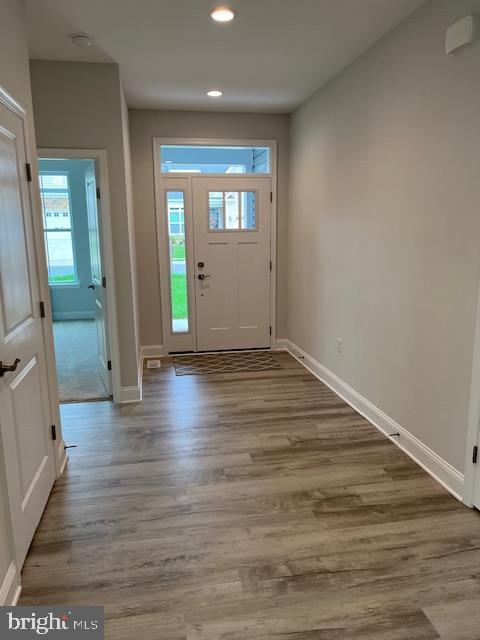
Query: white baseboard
x=280, y=344
x=73, y=315
x=130, y=394
x=441, y=470
x=151, y=351
x=11, y=587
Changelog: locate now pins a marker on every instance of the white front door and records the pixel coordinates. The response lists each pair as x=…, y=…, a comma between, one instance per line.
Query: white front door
x=24, y=404
x=231, y=219
x=97, y=285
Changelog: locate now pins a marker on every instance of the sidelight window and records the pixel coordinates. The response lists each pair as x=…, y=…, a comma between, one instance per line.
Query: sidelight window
x=175, y=201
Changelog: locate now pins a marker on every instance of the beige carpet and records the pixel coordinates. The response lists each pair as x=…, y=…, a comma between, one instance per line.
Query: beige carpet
x=203, y=364
x=75, y=354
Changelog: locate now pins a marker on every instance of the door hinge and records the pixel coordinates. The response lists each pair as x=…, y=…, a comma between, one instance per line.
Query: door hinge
x=54, y=432
x=104, y=281
x=42, y=309
x=475, y=455
x=109, y=365
x=98, y=193
x=270, y=330
x=271, y=196
x=271, y=265
x=28, y=169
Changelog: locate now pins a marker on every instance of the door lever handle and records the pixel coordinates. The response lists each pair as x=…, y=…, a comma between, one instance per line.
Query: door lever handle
x=91, y=286
x=4, y=368
x=202, y=276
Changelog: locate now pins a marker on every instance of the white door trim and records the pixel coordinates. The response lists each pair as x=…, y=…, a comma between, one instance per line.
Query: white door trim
x=159, y=214
x=100, y=155
x=472, y=471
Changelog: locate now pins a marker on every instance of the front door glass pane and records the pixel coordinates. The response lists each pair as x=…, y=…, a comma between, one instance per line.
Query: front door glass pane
x=216, y=211
x=232, y=210
x=177, y=259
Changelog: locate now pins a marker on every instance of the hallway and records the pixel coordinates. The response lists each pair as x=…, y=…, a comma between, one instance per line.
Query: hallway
x=251, y=506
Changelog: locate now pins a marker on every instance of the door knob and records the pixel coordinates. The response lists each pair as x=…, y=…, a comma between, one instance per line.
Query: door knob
x=91, y=286
x=4, y=368
x=202, y=276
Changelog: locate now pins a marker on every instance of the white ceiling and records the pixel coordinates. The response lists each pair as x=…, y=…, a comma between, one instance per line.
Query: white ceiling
x=274, y=55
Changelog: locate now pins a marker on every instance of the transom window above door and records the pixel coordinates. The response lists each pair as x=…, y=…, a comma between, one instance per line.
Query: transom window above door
x=184, y=158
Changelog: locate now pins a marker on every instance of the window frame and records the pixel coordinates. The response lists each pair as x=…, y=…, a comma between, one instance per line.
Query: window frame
x=75, y=283
x=177, y=343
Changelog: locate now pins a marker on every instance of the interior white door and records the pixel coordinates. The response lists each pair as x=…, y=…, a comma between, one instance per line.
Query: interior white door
x=98, y=282
x=232, y=262
x=24, y=404
x=476, y=478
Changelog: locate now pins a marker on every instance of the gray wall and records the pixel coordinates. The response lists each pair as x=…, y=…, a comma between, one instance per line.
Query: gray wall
x=74, y=301
x=384, y=226
x=79, y=105
x=148, y=124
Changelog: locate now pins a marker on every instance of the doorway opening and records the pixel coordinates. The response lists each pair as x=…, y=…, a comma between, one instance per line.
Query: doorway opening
x=71, y=213
x=216, y=223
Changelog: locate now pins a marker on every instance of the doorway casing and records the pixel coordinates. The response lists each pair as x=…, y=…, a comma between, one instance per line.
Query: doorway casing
x=101, y=167
x=162, y=181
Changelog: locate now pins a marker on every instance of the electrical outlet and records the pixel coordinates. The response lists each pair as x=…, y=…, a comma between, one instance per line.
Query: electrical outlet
x=339, y=345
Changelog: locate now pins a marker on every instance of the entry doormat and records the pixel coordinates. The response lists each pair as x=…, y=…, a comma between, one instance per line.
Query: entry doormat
x=203, y=364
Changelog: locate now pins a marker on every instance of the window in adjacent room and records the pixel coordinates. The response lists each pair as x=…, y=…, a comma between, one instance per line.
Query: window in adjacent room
x=57, y=225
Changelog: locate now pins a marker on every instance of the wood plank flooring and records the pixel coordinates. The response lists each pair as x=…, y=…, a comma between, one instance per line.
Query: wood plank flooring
x=253, y=506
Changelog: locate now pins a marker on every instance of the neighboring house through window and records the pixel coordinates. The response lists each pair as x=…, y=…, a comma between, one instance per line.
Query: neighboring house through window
x=176, y=219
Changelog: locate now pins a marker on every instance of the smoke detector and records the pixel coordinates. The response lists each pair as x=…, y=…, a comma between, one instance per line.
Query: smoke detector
x=82, y=40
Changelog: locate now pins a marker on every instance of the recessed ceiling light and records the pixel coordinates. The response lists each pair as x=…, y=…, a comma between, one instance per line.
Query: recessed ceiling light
x=214, y=93
x=82, y=40
x=222, y=14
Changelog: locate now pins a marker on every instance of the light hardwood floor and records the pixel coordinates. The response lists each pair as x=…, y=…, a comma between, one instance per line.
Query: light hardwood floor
x=252, y=506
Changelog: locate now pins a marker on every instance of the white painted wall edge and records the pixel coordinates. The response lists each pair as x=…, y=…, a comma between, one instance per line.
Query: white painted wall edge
x=146, y=351
x=472, y=472
x=73, y=315
x=130, y=394
x=11, y=587
x=443, y=472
